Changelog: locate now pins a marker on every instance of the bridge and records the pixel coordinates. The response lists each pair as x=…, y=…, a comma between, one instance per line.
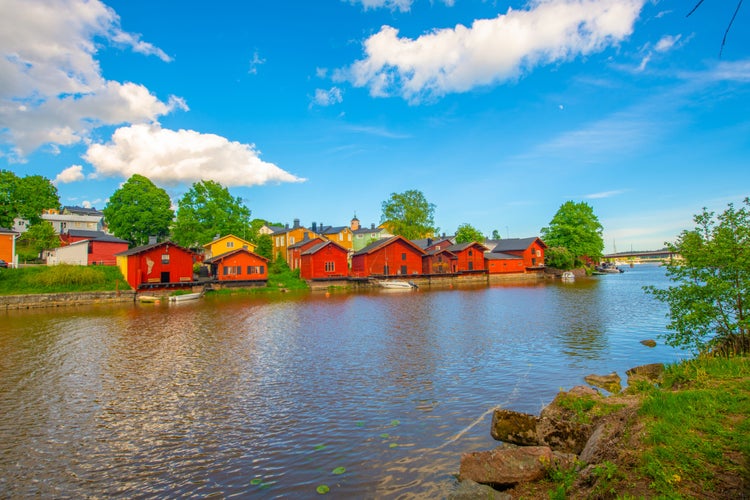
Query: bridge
x=643, y=256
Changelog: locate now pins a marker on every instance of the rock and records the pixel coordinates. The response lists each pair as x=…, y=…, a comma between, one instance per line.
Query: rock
x=649, y=373
x=610, y=383
x=505, y=467
x=560, y=427
x=649, y=343
x=605, y=441
x=514, y=427
x=471, y=490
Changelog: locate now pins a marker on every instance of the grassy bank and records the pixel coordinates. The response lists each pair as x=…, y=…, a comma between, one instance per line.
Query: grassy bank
x=690, y=438
x=60, y=279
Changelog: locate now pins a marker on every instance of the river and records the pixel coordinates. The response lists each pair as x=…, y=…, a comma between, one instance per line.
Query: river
x=373, y=394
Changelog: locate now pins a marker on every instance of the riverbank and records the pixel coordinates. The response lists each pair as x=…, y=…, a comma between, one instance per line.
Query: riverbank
x=685, y=436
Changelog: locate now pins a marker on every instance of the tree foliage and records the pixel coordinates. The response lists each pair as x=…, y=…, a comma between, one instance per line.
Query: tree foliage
x=496, y=235
x=709, y=300
x=466, y=233
x=207, y=210
x=559, y=258
x=409, y=214
x=264, y=246
x=138, y=210
x=37, y=238
x=25, y=197
x=576, y=228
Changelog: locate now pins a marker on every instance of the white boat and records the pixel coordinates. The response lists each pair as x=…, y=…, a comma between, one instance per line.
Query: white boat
x=185, y=296
x=397, y=284
x=568, y=276
x=148, y=299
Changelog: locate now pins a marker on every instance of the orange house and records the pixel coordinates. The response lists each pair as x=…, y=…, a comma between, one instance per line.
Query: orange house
x=500, y=263
x=395, y=256
x=239, y=265
x=8, y=246
x=325, y=260
x=470, y=257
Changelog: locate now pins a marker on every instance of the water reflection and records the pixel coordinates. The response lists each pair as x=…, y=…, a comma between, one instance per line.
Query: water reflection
x=268, y=395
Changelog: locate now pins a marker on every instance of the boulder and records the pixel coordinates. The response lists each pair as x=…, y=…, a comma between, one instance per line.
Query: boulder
x=514, y=427
x=471, y=490
x=610, y=383
x=649, y=342
x=562, y=428
x=505, y=467
x=650, y=373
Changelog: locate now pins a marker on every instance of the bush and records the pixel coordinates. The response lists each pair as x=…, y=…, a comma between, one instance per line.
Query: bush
x=559, y=258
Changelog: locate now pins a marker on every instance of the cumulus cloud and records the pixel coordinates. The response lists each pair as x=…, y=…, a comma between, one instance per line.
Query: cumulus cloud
x=666, y=43
x=328, y=97
x=71, y=174
x=51, y=87
x=491, y=50
x=183, y=156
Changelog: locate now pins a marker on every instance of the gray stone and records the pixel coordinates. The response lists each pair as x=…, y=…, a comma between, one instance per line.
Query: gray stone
x=471, y=490
x=609, y=382
x=506, y=467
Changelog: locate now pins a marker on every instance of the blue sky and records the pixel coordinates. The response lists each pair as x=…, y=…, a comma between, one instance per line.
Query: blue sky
x=499, y=112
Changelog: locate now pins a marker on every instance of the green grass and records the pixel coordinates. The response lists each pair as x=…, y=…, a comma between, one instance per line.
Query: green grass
x=61, y=278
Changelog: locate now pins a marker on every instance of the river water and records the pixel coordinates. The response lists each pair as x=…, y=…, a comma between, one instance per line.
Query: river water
x=374, y=395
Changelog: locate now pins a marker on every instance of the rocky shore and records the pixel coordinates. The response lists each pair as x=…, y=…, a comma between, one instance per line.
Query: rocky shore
x=580, y=428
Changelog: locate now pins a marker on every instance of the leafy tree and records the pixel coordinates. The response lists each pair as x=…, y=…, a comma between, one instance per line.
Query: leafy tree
x=8, y=208
x=26, y=197
x=466, y=233
x=264, y=246
x=708, y=304
x=37, y=238
x=496, y=235
x=575, y=227
x=207, y=209
x=559, y=258
x=138, y=210
x=409, y=214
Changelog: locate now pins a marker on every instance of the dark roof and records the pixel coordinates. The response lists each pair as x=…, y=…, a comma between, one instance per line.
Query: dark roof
x=95, y=236
x=363, y=230
x=331, y=229
x=302, y=243
x=233, y=252
x=321, y=246
x=386, y=241
x=463, y=246
x=145, y=248
x=501, y=256
x=6, y=230
x=82, y=211
x=514, y=244
x=436, y=251
x=428, y=242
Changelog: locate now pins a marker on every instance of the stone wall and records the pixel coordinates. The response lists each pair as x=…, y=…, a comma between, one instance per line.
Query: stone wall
x=33, y=301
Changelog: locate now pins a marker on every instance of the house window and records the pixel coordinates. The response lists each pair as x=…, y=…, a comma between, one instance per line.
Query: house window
x=440, y=258
x=291, y=240
x=230, y=244
x=165, y=258
x=470, y=253
x=341, y=237
x=403, y=256
x=471, y=266
x=330, y=267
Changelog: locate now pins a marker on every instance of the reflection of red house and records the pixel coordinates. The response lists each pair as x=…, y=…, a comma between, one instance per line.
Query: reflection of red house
x=239, y=265
x=470, y=257
x=294, y=252
x=388, y=257
x=516, y=255
x=102, y=247
x=439, y=261
x=157, y=263
x=324, y=260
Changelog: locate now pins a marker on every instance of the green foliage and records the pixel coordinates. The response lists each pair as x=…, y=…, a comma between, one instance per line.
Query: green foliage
x=575, y=227
x=61, y=278
x=207, y=210
x=38, y=237
x=409, y=214
x=466, y=233
x=496, y=235
x=25, y=197
x=709, y=299
x=264, y=246
x=138, y=210
x=559, y=258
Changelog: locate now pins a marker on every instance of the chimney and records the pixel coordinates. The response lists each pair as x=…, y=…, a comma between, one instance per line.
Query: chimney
x=314, y=227
x=429, y=242
x=296, y=223
x=152, y=240
x=286, y=226
x=372, y=226
x=321, y=226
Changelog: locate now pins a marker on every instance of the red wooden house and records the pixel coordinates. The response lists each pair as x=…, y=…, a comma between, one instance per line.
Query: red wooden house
x=439, y=261
x=157, y=264
x=102, y=247
x=239, y=265
x=294, y=252
x=516, y=255
x=324, y=261
x=388, y=257
x=500, y=263
x=469, y=257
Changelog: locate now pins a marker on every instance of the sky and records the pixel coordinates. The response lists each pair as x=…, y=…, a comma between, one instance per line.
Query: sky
x=499, y=112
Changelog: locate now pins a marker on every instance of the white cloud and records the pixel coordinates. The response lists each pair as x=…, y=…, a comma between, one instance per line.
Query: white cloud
x=402, y=5
x=328, y=97
x=51, y=87
x=667, y=42
x=183, y=156
x=491, y=50
x=71, y=174
x=604, y=194
x=255, y=62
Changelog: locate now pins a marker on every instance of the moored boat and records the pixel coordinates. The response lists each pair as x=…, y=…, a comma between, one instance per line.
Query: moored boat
x=185, y=297
x=397, y=285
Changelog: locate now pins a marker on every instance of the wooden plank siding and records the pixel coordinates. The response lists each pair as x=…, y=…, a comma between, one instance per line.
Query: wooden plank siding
x=391, y=257
x=325, y=261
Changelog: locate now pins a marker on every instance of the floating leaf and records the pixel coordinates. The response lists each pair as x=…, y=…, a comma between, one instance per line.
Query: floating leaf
x=338, y=470
x=256, y=481
x=394, y=423
x=323, y=489
x=360, y=423
x=320, y=447
x=385, y=435
x=393, y=445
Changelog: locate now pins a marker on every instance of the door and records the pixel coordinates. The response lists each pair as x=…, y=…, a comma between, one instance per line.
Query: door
x=165, y=276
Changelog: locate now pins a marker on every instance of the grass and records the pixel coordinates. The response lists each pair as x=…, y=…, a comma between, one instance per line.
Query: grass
x=61, y=278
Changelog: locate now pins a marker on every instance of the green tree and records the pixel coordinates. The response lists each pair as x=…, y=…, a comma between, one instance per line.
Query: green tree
x=409, y=214
x=466, y=233
x=264, y=246
x=138, y=210
x=26, y=197
x=8, y=208
x=559, y=258
x=207, y=210
x=709, y=300
x=496, y=235
x=575, y=227
x=37, y=238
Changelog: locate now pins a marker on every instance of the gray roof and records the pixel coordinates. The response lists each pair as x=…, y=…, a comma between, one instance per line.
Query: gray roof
x=144, y=248
x=463, y=246
x=95, y=236
x=512, y=244
x=501, y=256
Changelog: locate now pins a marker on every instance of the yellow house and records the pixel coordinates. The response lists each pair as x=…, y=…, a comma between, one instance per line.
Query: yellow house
x=341, y=235
x=226, y=244
x=283, y=237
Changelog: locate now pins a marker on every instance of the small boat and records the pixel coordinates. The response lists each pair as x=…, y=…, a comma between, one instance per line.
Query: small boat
x=568, y=276
x=607, y=268
x=185, y=296
x=397, y=285
x=148, y=299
